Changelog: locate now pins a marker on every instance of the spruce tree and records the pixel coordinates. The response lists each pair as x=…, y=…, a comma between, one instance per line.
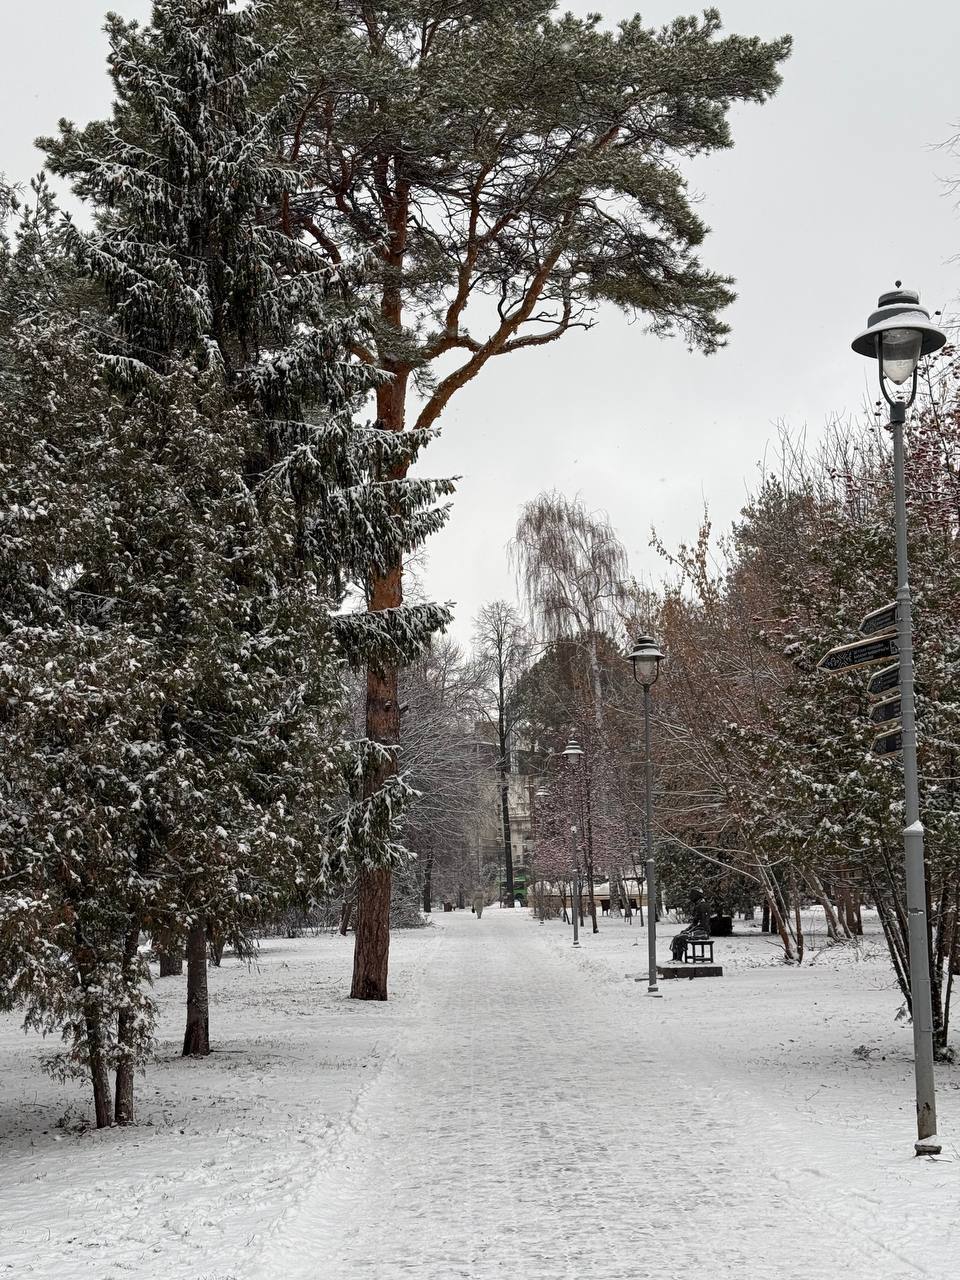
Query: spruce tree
x=217, y=497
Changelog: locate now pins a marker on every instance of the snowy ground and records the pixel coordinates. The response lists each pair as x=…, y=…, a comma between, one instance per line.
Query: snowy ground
x=518, y=1109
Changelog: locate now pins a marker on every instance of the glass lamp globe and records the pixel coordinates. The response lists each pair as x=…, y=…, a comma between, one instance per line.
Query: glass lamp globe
x=898, y=351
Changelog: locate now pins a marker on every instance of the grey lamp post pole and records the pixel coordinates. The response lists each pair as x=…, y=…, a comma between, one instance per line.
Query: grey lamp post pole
x=645, y=659
x=898, y=333
x=575, y=889
x=572, y=752
x=540, y=795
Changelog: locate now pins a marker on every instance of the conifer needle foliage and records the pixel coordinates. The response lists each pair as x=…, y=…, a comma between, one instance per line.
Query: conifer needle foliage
x=188, y=492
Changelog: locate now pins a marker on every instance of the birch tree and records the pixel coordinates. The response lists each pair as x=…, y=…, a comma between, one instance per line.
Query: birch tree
x=573, y=574
x=501, y=656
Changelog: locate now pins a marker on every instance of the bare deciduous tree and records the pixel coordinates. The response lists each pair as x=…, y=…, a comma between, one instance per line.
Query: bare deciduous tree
x=573, y=574
x=501, y=656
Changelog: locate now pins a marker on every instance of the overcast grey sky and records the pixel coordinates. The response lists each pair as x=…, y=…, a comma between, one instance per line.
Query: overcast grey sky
x=833, y=190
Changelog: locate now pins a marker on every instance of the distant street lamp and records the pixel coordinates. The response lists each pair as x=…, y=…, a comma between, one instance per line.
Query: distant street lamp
x=539, y=795
x=572, y=752
x=898, y=334
x=645, y=660
x=575, y=889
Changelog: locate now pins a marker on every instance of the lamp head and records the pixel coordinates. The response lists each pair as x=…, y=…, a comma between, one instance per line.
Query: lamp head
x=897, y=335
x=645, y=660
x=572, y=750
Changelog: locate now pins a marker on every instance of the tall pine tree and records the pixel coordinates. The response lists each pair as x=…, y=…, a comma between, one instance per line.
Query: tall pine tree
x=501, y=170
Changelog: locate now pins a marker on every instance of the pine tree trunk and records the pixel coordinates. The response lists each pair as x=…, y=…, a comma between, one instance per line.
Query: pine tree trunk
x=217, y=941
x=372, y=933
x=196, y=1039
x=126, y=1021
x=372, y=949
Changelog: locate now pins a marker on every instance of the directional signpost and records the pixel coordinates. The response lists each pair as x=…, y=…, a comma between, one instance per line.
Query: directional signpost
x=878, y=644
x=888, y=709
x=883, y=681
x=884, y=619
x=861, y=653
x=889, y=743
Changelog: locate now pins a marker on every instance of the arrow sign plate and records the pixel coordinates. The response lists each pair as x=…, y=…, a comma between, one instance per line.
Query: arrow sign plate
x=862, y=653
x=879, y=620
x=888, y=709
x=885, y=680
x=889, y=743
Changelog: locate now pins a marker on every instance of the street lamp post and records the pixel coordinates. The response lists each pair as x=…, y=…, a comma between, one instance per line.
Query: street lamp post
x=645, y=660
x=572, y=752
x=898, y=333
x=539, y=795
x=575, y=889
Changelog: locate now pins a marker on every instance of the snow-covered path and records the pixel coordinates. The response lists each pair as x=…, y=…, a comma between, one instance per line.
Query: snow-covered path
x=536, y=1121
x=517, y=1109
